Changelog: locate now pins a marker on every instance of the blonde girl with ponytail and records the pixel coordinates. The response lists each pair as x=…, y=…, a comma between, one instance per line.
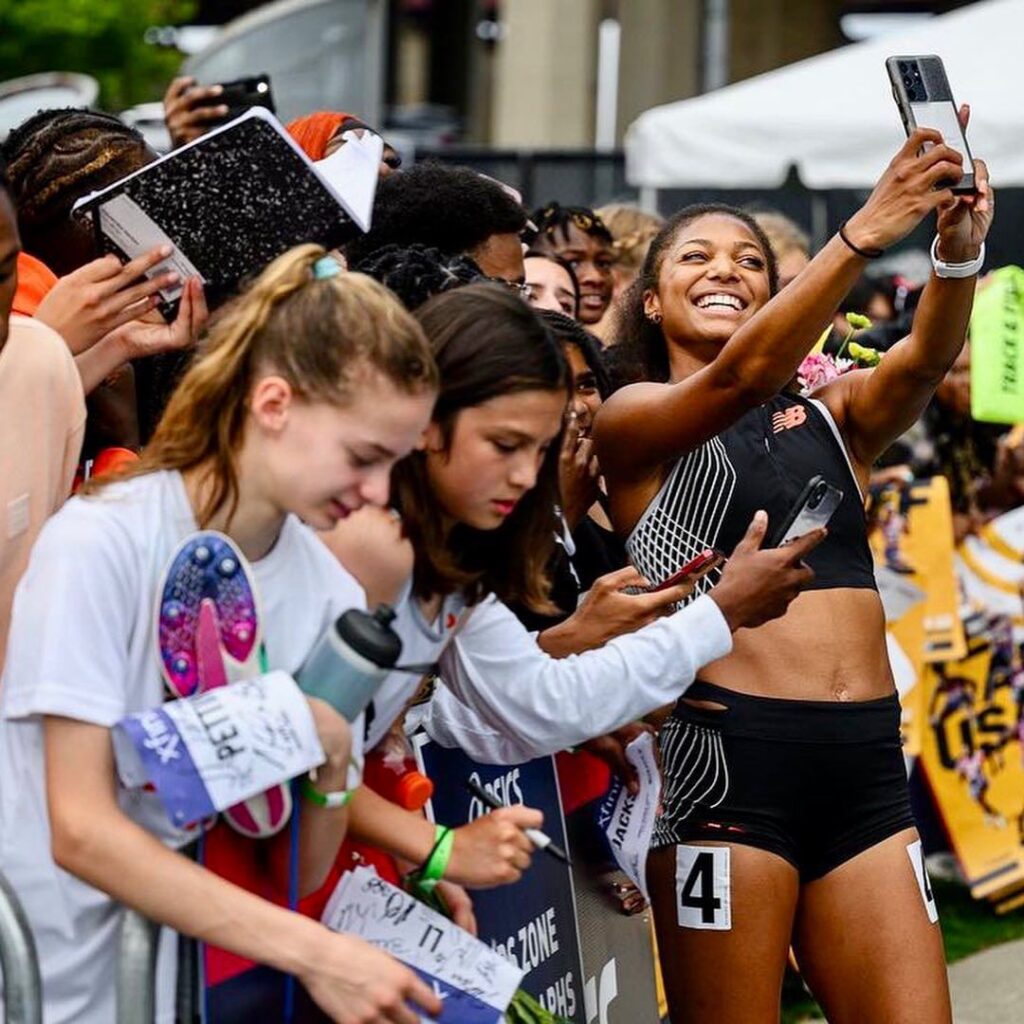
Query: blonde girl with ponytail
x=307, y=391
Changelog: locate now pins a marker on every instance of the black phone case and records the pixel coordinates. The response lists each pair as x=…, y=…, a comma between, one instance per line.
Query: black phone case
x=242, y=94
x=935, y=85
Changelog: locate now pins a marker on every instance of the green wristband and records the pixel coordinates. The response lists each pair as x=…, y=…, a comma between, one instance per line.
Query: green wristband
x=334, y=801
x=436, y=864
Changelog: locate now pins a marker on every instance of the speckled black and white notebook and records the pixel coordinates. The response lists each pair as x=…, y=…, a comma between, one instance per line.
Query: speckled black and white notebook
x=233, y=200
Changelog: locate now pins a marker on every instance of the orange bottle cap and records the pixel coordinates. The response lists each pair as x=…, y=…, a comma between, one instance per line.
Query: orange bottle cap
x=413, y=791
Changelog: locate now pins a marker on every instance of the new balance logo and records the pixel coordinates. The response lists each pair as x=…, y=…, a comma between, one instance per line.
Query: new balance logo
x=787, y=419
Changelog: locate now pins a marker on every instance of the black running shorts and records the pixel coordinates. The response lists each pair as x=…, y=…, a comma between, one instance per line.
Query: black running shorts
x=816, y=782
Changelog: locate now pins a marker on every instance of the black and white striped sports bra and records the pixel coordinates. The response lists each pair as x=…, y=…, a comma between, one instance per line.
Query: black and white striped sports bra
x=762, y=461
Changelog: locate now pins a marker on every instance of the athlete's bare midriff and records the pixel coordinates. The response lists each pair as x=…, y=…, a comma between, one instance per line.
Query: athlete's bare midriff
x=830, y=645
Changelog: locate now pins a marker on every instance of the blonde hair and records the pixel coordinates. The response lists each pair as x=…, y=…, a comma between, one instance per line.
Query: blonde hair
x=633, y=230
x=784, y=234
x=319, y=334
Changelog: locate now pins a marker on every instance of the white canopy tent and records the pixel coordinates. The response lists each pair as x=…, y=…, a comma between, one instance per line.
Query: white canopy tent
x=833, y=116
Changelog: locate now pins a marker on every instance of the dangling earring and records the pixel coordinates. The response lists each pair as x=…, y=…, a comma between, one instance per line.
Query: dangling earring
x=655, y=318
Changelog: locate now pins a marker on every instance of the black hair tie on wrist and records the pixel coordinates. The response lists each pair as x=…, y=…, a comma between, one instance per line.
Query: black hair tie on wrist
x=867, y=254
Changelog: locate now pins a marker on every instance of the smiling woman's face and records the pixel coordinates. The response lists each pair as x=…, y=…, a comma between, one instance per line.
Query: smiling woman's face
x=713, y=278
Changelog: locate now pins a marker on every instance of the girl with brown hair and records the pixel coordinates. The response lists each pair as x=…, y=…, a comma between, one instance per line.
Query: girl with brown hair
x=304, y=396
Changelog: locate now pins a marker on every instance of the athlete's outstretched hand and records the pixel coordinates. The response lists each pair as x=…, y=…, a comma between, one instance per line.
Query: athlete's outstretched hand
x=758, y=585
x=914, y=183
x=963, y=223
x=354, y=983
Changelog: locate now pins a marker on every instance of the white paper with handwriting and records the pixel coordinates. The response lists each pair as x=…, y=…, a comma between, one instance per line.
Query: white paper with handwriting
x=365, y=905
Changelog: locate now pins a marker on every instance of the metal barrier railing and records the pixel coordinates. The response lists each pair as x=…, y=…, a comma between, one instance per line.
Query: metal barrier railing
x=139, y=943
x=136, y=969
x=23, y=988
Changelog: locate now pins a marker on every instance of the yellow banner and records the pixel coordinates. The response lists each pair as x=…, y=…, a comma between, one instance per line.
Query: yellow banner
x=972, y=756
x=912, y=541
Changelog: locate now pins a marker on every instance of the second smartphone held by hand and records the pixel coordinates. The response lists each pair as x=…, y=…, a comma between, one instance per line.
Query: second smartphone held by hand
x=812, y=510
x=242, y=94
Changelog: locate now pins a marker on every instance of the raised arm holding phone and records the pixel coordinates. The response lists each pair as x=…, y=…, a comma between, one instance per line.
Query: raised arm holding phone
x=802, y=718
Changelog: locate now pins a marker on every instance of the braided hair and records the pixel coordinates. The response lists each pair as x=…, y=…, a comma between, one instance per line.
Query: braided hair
x=54, y=158
x=415, y=273
x=555, y=219
x=633, y=230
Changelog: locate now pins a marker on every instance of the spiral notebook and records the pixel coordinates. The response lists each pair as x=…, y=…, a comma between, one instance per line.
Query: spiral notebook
x=233, y=200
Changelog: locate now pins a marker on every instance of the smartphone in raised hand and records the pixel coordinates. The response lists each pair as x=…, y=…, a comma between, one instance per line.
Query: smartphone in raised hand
x=925, y=100
x=241, y=94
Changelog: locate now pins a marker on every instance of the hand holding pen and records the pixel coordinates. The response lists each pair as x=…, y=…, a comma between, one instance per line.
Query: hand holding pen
x=493, y=849
x=539, y=839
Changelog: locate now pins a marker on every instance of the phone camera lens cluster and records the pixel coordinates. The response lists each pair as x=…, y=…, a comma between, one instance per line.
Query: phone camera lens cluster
x=911, y=74
x=817, y=495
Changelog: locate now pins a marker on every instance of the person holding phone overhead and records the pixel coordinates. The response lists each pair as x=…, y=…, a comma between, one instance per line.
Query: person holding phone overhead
x=786, y=813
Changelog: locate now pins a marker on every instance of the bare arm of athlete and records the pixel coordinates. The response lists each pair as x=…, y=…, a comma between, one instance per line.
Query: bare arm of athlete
x=646, y=425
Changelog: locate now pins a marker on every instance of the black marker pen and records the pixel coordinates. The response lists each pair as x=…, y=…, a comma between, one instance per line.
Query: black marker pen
x=538, y=838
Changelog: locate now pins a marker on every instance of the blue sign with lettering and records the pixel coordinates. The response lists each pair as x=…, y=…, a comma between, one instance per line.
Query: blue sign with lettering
x=533, y=922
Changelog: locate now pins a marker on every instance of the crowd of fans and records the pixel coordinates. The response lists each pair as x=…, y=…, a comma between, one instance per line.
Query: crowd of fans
x=511, y=425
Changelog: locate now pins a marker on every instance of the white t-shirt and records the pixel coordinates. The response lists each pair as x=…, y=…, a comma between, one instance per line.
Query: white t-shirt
x=82, y=645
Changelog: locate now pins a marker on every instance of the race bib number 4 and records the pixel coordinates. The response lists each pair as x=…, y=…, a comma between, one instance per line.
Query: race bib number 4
x=703, y=887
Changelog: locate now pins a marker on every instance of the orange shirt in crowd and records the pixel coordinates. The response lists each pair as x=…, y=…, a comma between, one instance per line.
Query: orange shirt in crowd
x=44, y=417
x=35, y=279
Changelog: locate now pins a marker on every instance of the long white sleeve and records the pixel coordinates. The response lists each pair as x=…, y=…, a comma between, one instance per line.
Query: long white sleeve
x=510, y=701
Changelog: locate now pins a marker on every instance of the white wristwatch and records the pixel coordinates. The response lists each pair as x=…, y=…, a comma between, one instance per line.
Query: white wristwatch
x=956, y=270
